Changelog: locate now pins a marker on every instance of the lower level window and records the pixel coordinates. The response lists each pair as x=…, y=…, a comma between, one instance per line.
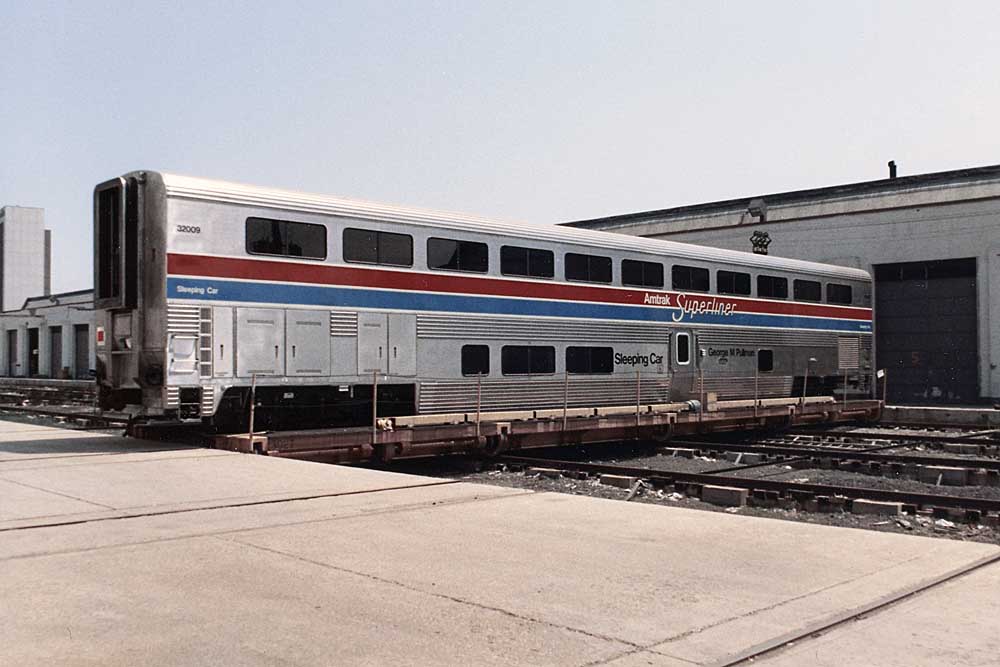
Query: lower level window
x=475, y=360
x=528, y=360
x=765, y=361
x=589, y=360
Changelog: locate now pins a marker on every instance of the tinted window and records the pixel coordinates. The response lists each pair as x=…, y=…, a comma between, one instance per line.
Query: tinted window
x=372, y=247
x=454, y=255
x=589, y=268
x=475, y=360
x=642, y=274
x=589, y=360
x=839, y=293
x=772, y=287
x=689, y=278
x=683, y=344
x=730, y=282
x=765, y=360
x=109, y=238
x=516, y=261
x=807, y=290
x=282, y=237
x=528, y=360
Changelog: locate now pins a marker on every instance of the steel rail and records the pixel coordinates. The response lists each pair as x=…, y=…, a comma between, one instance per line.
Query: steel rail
x=865, y=454
x=964, y=439
x=83, y=416
x=666, y=478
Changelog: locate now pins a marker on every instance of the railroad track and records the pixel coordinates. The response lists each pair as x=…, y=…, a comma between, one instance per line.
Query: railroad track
x=987, y=437
x=770, y=490
x=786, y=454
x=89, y=419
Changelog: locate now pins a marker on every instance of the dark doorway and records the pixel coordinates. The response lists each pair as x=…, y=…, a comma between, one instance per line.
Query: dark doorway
x=33, y=352
x=926, y=326
x=55, y=352
x=81, y=351
x=12, y=353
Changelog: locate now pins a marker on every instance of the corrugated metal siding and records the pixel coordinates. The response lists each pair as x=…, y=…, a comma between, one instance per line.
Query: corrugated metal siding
x=343, y=324
x=537, y=393
x=171, y=397
x=183, y=320
x=766, y=339
x=848, y=353
x=207, y=399
x=220, y=191
x=768, y=386
x=205, y=343
x=537, y=329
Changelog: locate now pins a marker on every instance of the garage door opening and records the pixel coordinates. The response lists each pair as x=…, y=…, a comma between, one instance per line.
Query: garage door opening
x=926, y=328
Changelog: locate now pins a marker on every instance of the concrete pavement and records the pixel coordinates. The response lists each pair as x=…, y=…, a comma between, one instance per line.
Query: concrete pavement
x=182, y=556
x=957, y=623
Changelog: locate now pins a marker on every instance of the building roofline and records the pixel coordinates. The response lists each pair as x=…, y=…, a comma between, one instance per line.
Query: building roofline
x=885, y=185
x=50, y=300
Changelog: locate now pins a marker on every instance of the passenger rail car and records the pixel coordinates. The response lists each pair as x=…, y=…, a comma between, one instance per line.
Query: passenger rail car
x=204, y=288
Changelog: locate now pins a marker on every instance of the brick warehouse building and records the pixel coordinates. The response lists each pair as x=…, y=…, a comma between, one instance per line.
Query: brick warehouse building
x=931, y=241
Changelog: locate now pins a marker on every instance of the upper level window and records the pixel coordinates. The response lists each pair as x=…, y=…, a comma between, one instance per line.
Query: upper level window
x=590, y=360
x=452, y=255
x=283, y=237
x=689, y=278
x=527, y=360
x=517, y=261
x=839, y=294
x=731, y=282
x=588, y=268
x=374, y=247
x=808, y=290
x=642, y=274
x=772, y=287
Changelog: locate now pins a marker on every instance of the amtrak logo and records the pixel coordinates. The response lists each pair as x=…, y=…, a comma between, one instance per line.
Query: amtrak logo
x=689, y=306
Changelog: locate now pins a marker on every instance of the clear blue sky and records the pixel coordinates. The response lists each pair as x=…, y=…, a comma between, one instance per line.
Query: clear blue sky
x=542, y=111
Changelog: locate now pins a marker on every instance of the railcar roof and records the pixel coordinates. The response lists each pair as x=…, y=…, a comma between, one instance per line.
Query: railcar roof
x=188, y=187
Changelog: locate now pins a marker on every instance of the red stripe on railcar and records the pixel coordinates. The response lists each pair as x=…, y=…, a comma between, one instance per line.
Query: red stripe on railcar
x=324, y=274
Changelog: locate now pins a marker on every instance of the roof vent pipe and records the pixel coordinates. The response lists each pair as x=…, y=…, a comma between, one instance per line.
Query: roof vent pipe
x=892, y=169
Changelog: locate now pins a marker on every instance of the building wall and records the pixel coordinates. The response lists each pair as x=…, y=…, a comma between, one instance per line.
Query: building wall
x=66, y=316
x=861, y=227
x=24, y=261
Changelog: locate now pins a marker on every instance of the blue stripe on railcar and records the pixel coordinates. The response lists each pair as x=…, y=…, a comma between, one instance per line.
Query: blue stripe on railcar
x=349, y=297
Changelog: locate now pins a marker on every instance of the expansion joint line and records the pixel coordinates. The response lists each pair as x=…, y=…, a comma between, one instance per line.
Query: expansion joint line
x=440, y=596
x=826, y=625
x=250, y=503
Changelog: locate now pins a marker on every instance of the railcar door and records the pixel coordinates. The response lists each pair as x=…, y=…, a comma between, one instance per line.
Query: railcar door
x=402, y=344
x=223, y=352
x=373, y=339
x=261, y=336
x=683, y=365
x=387, y=343
x=307, y=347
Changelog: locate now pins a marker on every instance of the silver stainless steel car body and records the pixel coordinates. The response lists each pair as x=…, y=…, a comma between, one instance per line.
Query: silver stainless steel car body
x=187, y=315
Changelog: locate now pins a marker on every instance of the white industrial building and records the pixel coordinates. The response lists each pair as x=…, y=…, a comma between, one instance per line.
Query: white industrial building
x=51, y=336
x=25, y=255
x=931, y=241
x=43, y=334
